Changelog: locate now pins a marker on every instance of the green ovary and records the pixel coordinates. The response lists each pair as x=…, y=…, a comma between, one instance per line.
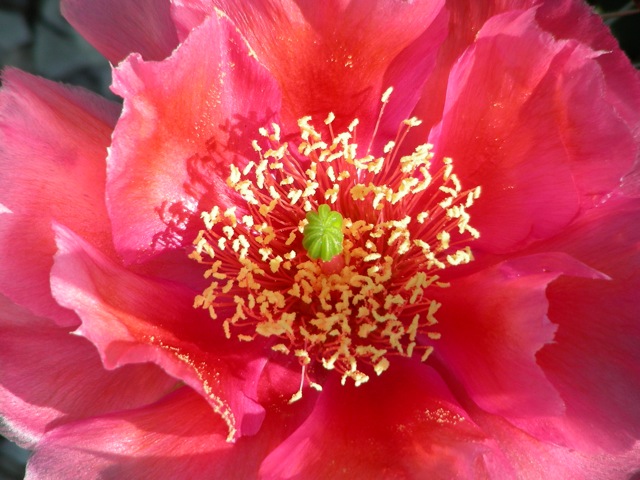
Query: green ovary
x=323, y=234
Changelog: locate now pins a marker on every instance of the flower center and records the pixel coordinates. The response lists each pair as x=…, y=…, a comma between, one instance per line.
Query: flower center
x=331, y=255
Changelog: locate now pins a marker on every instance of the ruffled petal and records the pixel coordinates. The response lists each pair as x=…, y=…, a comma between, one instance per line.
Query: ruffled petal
x=185, y=120
x=492, y=325
x=49, y=378
x=534, y=139
x=465, y=20
x=595, y=362
x=53, y=146
x=606, y=238
x=117, y=28
x=179, y=437
x=568, y=19
x=339, y=56
x=404, y=424
x=189, y=14
x=515, y=454
x=132, y=319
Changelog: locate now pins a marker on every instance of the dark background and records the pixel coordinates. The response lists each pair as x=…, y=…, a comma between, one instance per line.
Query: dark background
x=35, y=38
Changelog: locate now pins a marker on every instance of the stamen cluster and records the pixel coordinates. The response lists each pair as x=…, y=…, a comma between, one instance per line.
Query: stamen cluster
x=402, y=225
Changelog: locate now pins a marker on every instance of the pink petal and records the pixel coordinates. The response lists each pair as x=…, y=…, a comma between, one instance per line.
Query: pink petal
x=606, y=238
x=119, y=27
x=132, y=319
x=50, y=378
x=576, y=20
x=340, y=56
x=492, y=325
x=189, y=14
x=408, y=73
x=193, y=114
x=518, y=455
x=54, y=142
x=404, y=424
x=595, y=362
x=179, y=437
x=465, y=20
x=535, y=139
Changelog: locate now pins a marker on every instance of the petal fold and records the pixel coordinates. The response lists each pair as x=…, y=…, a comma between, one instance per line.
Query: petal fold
x=492, y=325
x=404, y=424
x=53, y=145
x=594, y=361
x=49, y=377
x=133, y=319
x=117, y=28
x=535, y=138
x=340, y=56
x=185, y=120
x=179, y=437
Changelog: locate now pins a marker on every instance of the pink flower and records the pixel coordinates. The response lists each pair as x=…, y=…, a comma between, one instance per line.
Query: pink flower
x=473, y=313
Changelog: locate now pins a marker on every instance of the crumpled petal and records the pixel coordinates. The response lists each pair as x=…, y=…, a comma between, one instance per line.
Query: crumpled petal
x=53, y=147
x=184, y=121
x=492, y=325
x=568, y=19
x=177, y=437
x=606, y=238
x=50, y=377
x=465, y=20
x=404, y=424
x=132, y=319
x=541, y=140
x=117, y=28
x=516, y=454
x=594, y=362
x=338, y=56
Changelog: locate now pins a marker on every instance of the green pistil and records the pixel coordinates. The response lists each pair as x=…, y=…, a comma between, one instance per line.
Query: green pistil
x=323, y=234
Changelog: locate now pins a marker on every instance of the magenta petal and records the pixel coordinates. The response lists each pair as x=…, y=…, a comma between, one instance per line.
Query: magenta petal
x=193, y=115
x=535, y=138
x=188, y=14
x=119, y=27
x=492, y=325
x=340, y=56
x=132, y=319
x=54, y=143
x=50, y=377
x=179, y=437
x=404, y=424
x=408, y=73
x=568, y=19
x=515, y=454
x=465, y=20
x=595, y=361
x=606, y=238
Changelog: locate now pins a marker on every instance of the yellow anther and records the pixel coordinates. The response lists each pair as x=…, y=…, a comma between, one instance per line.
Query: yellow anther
x=412, y=122
x=372, y=257
x=386, y=95
x=234, y=177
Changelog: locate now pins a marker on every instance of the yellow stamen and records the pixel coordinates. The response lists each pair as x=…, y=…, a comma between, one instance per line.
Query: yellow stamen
x=403, y=223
